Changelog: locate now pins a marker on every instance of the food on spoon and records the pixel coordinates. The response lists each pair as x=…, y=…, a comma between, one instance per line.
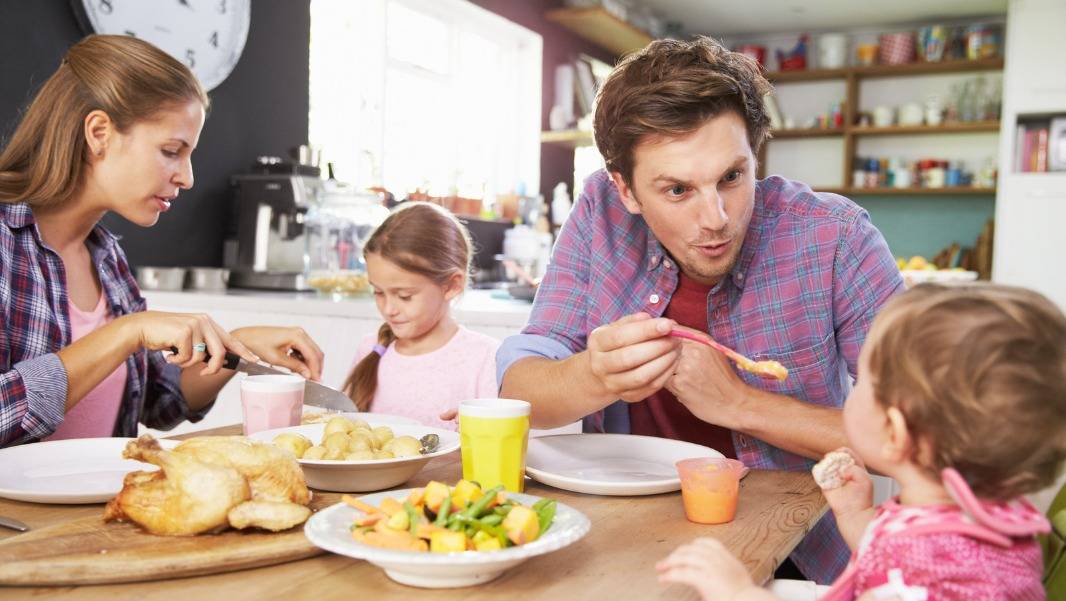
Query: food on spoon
x=344, y=439
x=768, y=368
x=208, y=483
x=829, y=472
x=443, y=519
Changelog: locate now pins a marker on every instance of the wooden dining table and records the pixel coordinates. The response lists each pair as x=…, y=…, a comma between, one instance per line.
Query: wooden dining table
x=615, y=560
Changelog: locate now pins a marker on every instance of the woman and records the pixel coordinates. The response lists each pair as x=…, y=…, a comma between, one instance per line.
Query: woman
x=113, y=129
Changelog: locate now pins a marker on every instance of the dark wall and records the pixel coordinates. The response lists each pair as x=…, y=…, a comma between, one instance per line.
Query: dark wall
x=261, y=108
x=560, y=46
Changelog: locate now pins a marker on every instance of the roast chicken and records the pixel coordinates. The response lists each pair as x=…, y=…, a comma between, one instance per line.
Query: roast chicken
x=209, y=483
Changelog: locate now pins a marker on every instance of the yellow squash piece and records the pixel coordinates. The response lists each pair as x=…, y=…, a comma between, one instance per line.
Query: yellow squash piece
x=465, y=493
x=446, y=541
x=521, y=525
x=434, y=495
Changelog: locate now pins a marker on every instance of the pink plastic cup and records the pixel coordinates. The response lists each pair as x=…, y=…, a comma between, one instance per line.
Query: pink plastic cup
x=709, y=488
x=271, y=401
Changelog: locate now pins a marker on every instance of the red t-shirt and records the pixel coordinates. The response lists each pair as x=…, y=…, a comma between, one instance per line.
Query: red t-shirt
x=662, y=414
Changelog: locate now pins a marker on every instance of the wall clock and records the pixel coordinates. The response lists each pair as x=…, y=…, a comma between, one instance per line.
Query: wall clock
x=206, y=35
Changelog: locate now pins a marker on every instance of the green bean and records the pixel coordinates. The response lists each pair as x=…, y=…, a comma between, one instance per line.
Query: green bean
x=545, y=515
x=412, y=516
x=442, y=514
x=479, y=506
x=492, y=519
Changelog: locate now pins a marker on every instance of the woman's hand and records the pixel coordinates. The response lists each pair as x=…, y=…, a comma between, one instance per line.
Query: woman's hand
x=707, y=566
x=289, y=347
x=194, y=335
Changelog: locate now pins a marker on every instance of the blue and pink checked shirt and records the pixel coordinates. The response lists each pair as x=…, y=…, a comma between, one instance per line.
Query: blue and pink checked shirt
x=33, y=305
x=811, y=275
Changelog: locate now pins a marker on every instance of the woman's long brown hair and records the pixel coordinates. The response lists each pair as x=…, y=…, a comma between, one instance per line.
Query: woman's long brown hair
x=421, y=238
x=131, y=80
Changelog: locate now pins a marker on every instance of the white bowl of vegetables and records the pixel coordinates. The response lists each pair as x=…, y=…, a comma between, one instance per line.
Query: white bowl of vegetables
x=446, y=537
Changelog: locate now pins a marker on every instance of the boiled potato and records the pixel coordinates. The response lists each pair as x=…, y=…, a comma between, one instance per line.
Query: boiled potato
x=383, y=455
x=364, y=455
x=404, y=446
x=359, y=443
x=338, y=424
x=382, y=434
x=364, y=435
x=315, y=452
x=359, y=424
x=338, y=441
x=293, y=443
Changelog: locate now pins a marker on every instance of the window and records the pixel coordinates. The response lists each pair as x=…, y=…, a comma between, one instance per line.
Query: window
x=438, y=95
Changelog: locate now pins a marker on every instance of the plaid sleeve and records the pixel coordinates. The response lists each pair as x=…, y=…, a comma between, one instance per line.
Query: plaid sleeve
x=164, y=403
x=559, y=308
x=865, y=276
x=32, y=399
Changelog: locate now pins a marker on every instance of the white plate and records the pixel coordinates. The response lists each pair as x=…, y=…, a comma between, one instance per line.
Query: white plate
x=330, y=530
x=380, y=419
x=369, y=475
x=610, y=464
x=78, y=470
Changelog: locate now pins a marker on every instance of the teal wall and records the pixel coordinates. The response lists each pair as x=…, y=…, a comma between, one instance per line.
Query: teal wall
x=924, y=225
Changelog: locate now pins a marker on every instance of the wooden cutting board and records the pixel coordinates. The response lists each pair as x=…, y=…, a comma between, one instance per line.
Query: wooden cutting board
x=89, y=551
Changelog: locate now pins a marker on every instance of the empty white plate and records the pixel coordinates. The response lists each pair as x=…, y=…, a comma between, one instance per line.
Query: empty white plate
x=79, y=470
x=610, y=464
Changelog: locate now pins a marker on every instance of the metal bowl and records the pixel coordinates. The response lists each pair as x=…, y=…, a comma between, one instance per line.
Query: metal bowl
x=160, y=278
x=207, y=279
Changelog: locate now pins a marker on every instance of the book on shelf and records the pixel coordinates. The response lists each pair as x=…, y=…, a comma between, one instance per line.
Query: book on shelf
x=1035, y=145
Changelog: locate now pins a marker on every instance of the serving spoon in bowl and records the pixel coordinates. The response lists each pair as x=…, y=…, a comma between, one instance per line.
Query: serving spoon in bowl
x=771, y=370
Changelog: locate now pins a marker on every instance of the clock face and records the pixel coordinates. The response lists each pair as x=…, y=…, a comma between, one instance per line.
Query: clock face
x=206, y=35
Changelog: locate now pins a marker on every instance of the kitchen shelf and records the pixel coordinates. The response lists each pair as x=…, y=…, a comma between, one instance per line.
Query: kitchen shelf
x=807, y=75
x=872, y=71
x=955, y=191
x=944, y=128
x=602, y=28
x=814, y=132
x=569, y=137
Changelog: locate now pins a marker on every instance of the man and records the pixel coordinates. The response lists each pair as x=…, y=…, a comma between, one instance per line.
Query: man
x=677, y=232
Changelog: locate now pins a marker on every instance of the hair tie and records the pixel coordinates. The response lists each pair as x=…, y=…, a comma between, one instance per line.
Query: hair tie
x=380, y=349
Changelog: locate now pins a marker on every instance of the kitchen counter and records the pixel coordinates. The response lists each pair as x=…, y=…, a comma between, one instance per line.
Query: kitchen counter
x=491, y=308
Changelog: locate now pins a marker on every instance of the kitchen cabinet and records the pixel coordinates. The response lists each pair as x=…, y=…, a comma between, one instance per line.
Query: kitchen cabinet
x=1031, y=207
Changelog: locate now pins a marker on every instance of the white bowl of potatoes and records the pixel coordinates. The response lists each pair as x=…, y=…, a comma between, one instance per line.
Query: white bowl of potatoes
x=358, y=455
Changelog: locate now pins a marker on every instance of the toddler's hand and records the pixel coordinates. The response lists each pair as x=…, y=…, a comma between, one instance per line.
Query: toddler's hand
x=855, y=492
x=449, y=415
x=706, y=565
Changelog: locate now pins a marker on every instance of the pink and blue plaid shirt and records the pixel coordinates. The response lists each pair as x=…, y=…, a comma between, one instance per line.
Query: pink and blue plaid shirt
x=812, y=273
x=33, y=305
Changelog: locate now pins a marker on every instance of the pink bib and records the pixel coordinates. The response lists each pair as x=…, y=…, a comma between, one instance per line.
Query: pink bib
x=94, y=416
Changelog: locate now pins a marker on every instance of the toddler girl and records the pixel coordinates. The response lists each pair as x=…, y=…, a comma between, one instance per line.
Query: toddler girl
x=420, y=364
x=961, y=398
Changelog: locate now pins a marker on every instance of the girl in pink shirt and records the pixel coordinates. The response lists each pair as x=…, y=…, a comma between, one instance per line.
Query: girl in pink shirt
x=961, y=398
x=420, y=364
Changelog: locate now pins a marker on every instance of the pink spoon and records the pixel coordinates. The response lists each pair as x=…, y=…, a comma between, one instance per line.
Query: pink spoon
x=771, y=370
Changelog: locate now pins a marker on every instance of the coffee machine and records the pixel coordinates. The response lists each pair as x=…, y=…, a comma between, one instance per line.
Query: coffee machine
x=269, y=251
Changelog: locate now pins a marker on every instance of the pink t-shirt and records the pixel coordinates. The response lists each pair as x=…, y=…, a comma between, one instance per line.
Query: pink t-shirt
x=94, y=416
x=424, y=386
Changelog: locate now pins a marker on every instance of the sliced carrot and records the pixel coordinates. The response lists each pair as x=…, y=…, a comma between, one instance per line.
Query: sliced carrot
x=369, y=519
x=391, y=506
x=360, y=505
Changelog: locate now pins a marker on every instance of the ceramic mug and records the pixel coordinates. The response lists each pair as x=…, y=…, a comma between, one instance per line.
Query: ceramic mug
x=910, y=114
x=884, y=116
x=832, y=51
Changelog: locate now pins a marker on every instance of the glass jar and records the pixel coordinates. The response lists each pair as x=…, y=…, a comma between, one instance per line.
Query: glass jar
x=337, y=229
